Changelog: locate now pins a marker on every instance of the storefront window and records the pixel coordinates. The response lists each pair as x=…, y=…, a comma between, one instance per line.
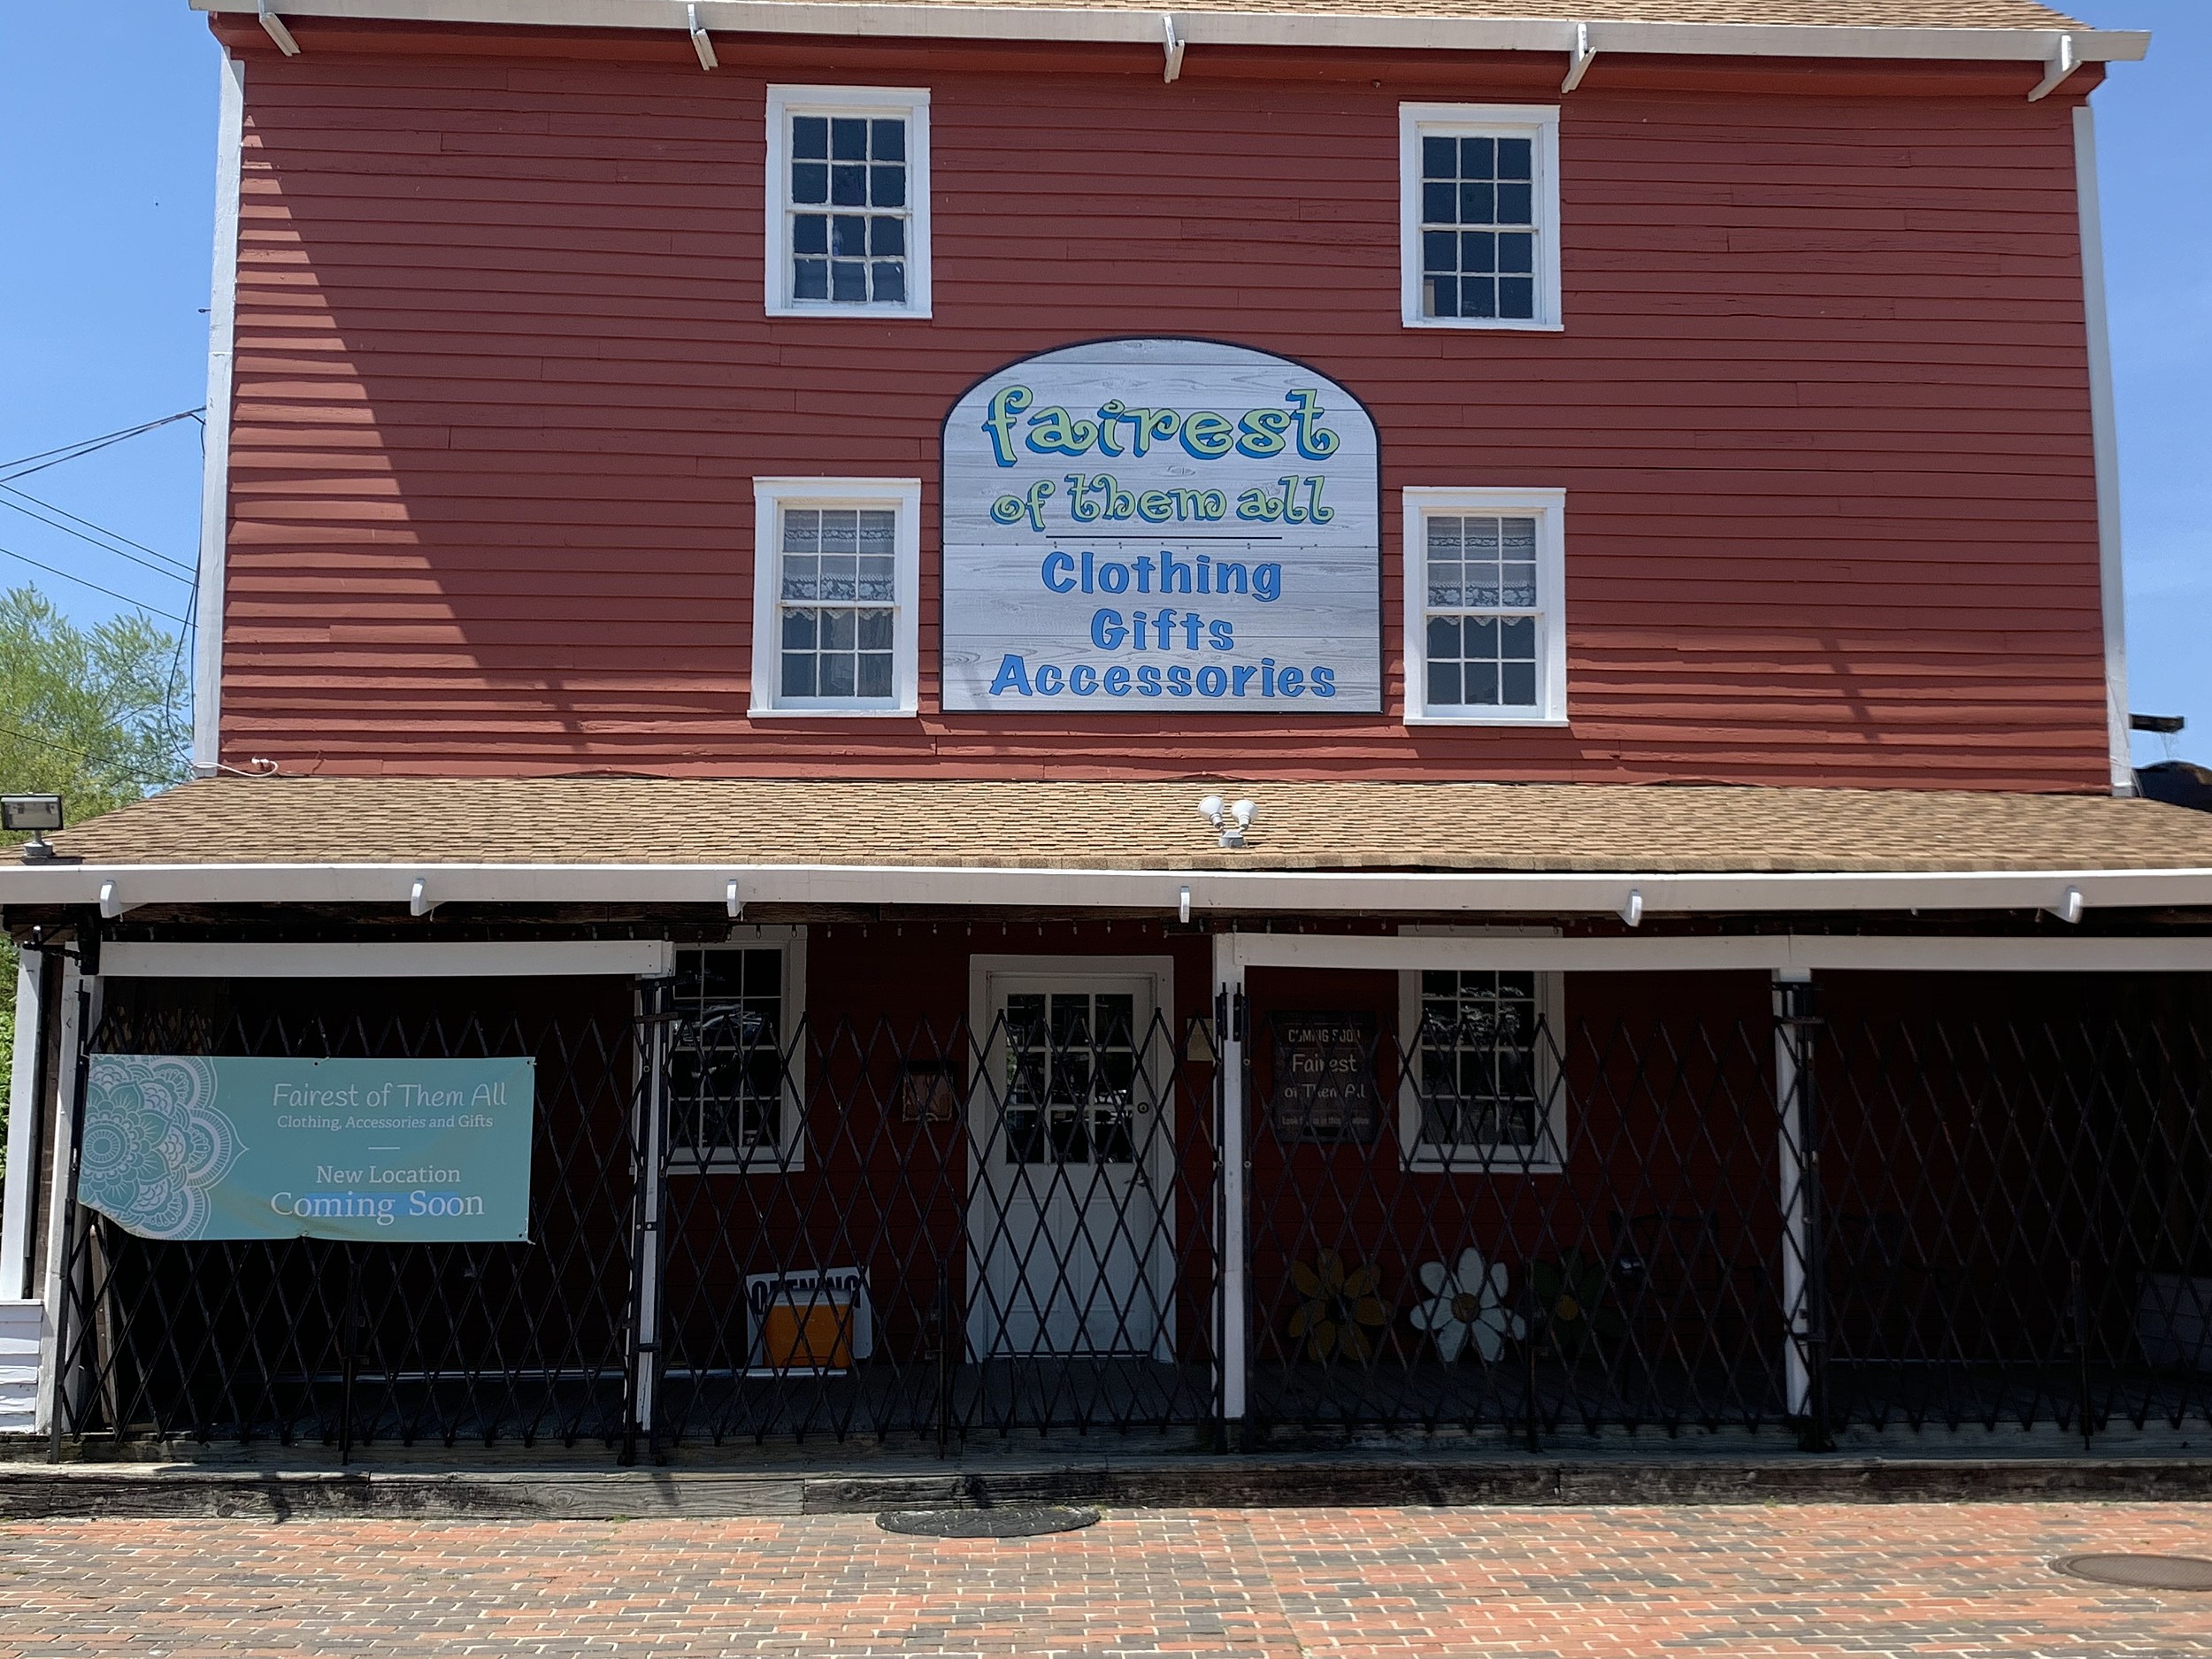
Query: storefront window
x=849, y=201
x=1484, y=1070
x=734, y=1092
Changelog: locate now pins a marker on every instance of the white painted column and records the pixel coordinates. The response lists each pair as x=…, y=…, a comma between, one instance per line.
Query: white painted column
x=23, y=1123
x=1789, y=1102
x=652, y=1156
x=56, y=1218
x=1229, y=1065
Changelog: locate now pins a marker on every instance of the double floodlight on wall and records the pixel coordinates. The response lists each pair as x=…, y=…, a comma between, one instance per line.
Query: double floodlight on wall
x=1231, y=821
x=38, y=813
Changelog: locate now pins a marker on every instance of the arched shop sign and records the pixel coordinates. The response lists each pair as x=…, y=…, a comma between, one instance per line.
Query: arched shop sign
x=1147, y=525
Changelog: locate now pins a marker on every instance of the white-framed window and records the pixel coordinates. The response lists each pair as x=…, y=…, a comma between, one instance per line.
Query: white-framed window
x=836, y=577
x=737, y=1057
x=1483, y=1089
x=1485, y=581
x=1479, y=211
x=848, y=202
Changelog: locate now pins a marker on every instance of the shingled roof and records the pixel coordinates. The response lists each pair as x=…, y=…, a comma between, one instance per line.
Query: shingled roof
x=1108, y=826
x=1958, y=14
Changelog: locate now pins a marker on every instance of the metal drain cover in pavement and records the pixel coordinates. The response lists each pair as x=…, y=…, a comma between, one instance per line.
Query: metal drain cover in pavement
x=1022, y=1520
x=2141, y=1572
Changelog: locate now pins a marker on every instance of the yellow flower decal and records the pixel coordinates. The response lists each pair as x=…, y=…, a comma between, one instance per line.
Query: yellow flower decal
x=1338, y=1309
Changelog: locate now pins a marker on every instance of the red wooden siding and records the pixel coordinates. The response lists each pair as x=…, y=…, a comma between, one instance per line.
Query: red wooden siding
x=503, y=379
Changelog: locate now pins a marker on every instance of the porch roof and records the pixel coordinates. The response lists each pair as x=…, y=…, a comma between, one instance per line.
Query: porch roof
x=1016, y=825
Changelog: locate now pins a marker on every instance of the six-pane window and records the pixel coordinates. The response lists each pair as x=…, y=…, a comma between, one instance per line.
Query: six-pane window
x=849, y=209
x=839, y=597
x=1070, y=1078
x=1477, y=226
x=1479, y=1062
x=1479, y=613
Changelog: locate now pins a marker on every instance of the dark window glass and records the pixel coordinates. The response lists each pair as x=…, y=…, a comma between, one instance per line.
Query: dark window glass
x=1470, y=182
x=837, y=584
x=857, y=164
x=1477, y=1060
x=1477, y=567
x=727, y=1071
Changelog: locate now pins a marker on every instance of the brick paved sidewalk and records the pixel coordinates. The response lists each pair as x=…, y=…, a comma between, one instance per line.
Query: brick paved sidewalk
x=1590, y=1583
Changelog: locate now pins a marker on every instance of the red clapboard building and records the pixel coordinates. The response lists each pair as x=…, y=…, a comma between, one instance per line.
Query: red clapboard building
x=1330, y=718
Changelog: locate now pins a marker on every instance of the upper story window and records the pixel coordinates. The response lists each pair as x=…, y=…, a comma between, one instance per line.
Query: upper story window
x=1479, y=192
x=837, y=566
x=1484, y=581
x=847, y=201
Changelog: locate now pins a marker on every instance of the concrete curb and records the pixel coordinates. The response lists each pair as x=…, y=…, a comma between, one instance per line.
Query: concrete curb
x=89, y=1492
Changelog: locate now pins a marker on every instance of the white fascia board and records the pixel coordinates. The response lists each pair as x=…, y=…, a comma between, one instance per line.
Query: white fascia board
x=394, y=959
x=922, y=20
x=1769, y=952
x=1155, y=889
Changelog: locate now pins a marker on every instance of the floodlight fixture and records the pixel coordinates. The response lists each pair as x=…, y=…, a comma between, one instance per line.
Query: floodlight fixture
x=1231, y=821
x=38, y=813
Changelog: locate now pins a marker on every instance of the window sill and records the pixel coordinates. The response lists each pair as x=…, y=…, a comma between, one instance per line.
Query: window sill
x=827, y=308
x=1486, y=325
x=1477, y=1161
x=731, y=1162
x=832, y=712
x=1556, y=721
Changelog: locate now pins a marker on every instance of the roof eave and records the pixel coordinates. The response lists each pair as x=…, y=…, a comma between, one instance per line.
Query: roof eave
x=118, y=888
x=918, y=20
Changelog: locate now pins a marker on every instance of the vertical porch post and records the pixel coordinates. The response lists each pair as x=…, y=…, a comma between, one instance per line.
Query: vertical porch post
x=654, y=1010
x=77, y=1007
x=1229, y=1039
x=26, y=1082
x=1800, y=1170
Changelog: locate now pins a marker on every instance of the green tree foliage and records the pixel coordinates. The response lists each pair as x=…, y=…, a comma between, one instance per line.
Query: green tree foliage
x=94, y=715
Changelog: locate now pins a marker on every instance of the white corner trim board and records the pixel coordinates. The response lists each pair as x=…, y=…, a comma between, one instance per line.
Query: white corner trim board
x=1146, y=890
x=1258, y=26
x=2105, y=447
x=222, y=314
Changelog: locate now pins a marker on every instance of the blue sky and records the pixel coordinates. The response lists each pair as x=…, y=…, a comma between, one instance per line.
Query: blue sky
x=107, y=117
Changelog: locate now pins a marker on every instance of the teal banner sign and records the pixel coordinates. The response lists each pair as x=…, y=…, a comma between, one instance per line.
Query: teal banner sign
x=396, y=1151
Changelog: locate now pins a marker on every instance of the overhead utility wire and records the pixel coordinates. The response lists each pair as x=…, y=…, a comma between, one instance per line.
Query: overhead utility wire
x=134, y=604
x=23, y=466
x=159, y=569
x=112, y=535
x=33, y=739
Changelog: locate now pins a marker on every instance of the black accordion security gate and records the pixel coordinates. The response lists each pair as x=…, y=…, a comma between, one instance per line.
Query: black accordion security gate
x=1486, y=1205
x=1887, y=1203
x=963, y=1234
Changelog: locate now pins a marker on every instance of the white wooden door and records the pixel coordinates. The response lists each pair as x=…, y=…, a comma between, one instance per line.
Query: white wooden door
x=1069, y=1252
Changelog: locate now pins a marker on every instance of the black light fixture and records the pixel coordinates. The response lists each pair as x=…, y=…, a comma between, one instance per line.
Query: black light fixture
x=38, y=813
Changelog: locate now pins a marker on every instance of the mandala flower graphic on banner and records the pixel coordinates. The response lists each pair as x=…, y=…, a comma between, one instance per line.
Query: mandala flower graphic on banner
x=155, y=1144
